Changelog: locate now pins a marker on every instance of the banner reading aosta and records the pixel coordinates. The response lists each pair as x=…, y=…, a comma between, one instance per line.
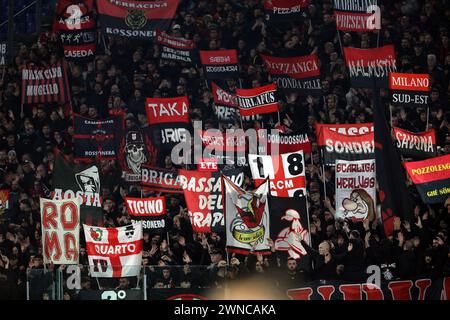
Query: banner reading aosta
x=355, y=189
x=286, y=173
x=114, y=252
x=60, y=230
x=151, y=212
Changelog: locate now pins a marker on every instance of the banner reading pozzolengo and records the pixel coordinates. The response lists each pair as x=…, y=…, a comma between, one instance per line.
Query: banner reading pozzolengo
x=114, y=252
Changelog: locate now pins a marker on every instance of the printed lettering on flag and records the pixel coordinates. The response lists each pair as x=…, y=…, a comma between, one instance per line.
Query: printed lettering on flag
x=280, y=11
x=220, y=64
x=276, y=142
x=160, y=180
x=3, y=53
x=257, y=100
x=416, y=145
x=359, y=15
x=225, y=104
x=151, y=212
x=177, y=49
x=409, y=89
x=347, y=129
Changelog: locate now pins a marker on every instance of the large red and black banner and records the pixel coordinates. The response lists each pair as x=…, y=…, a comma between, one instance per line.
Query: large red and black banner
x=276, y=142
x=225, y=148
x=369, y=67
x=203, y=195
x=96, y=138
x=348, y=129
x=45, y=85
x=431, y=177
x=258, y=100
x=408, y=290
x=160, y=180
x=177, y=49
x=292, y=74
x=416, y=145
x=151, y=212
x=135, y=19
x=220, y=64
x=225, y=104
x=76, y=26
x=409, y=89
x=356, y=15
x=334, y=146
x=285, y=10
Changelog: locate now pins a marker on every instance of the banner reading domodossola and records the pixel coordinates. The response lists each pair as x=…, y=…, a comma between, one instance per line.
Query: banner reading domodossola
x=416, y=145
x=431, y=177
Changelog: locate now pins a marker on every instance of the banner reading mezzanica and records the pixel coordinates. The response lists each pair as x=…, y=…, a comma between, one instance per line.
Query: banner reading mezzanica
x=355, y=189
x=300, y=73
x=178, y=49
x=258, y=100
x=135, y=19
x=431, y=177
x=409, y=89
x=353, y=15
x=285, y=10
x=416, y=145
x=220, y=64
x=370, y=67
x=45, y=85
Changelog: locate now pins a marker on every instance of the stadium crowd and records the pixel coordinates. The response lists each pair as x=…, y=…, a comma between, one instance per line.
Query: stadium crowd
x=125, y=72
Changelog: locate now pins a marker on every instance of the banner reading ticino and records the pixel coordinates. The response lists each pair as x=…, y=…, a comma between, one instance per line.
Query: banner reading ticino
x=431, y=177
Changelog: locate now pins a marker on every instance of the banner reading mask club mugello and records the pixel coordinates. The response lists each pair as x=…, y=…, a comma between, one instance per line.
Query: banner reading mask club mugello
x=431, y=177
x=285, y=10
x=247, y=219
x=82, y=181
x=257, y=100
x=177, y=49
x=286, y=173
x=370, y=67
x=203, y=195
x=135, y=19
x=225, y=104
x=220, y=64
x=96, y=138
x=354, y=16
x=355, y=189
x=45, y=85
x=276, y=142
x=114, y=252
x=136, y=149
x=160, y=180
x=60, y=230
x=347, y=129
x=151, y=212
x=295, y=74
x=76, y=26
x=409, y=89
x=416, y=145
x=336, y=146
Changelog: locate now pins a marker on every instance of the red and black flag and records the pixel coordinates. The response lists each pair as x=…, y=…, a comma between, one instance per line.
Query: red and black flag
x=177, y=49
x=409, y=89
x=135, y=19
x=225, y=104
x=160, y=180
x=292, y=74
x=416, y=145
x=356, y=15
x=274, y=142
x=45, y=85
x=225, y=148
x=151, y=212
x=431, y=177
x=334, y=146
x=391, y=179
x=258, y=100
x=348, y=129
x=220, y=64
x=280, y=11
x=96, y=138
x=3, y=53
x=76, y=26
x=366, y=64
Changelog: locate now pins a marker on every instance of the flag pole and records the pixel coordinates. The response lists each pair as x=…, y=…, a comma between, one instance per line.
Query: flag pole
x=428, y=117
x=324, y=183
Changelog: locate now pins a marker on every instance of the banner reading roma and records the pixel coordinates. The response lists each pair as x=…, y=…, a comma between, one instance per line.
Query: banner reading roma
x=247, y=219
x=356, y=15
x=75, y=23
x=355, y=190
x=370, y=67
x=416, y=145
x=286, y=173
x=60, y=230
x=347, y=129
x=293, y=74
x=220, y=64
x=336, y=146
x=225, y=104
x=203, y=195
x=96, y=138
x=178, y=49
x=285, y=10
x=431, y=177
x=114, y=252
x=135, y=19
x=45, y=85
x=160, y=180
x=409, y=89
x=257, y=100
x=151, y=212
